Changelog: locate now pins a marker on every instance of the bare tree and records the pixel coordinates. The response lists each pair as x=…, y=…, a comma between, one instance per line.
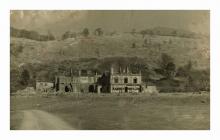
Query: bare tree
x=85, y=32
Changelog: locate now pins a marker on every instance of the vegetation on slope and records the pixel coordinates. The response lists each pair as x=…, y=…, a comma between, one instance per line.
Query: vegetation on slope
x=162, y=59
x=21, y=33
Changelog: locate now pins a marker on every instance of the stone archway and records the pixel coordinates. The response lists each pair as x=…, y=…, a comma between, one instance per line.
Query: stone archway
x=91, y=88
x=67, y=89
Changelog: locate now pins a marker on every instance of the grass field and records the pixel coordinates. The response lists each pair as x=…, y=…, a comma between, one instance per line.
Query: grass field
x=161, y=112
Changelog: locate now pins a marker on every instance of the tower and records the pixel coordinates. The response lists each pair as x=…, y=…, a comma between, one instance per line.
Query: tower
x=127, y=70
x=112, y=70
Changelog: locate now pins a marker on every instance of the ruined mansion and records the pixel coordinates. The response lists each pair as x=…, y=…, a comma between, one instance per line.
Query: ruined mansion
x=112, y=81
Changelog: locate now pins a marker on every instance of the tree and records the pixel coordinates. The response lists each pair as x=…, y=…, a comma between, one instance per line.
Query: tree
x=170, y=70
x=104, y=81
x=189, y=66
x=133, y=45
x=68, y=34
x=165, y=59
x=174, y=33
x=65, y=35
x=34, y=35
x=25, y=77
x=50, y=36
x=14, y=80
x=143, y=33
x=185, y=70
x=151, y=33
x=85, y=32
x=99, y=31
x=167, y=66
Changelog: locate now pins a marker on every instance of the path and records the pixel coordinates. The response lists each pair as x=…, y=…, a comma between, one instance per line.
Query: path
x=41, y=120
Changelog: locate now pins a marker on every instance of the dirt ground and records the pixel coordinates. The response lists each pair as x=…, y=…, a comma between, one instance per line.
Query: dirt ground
x=161, y=112
x=41, y=120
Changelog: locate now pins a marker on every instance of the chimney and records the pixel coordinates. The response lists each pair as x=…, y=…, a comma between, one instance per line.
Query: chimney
x=127, y=69
x=112, y=70
x=124, y=71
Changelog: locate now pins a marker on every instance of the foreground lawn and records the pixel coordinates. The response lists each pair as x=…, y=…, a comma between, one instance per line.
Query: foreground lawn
x=162, y=112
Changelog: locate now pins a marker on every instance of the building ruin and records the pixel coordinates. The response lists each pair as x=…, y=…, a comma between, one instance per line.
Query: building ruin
x=125, y=81
x=77, y=83
x=113, y=81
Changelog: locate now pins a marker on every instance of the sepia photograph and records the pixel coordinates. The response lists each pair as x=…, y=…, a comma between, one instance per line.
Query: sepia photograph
x=109, y=70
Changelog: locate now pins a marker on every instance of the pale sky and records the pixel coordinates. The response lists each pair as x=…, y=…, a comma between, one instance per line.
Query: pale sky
x=60, y=21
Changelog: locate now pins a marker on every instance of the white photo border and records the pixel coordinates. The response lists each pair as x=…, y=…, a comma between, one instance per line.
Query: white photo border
x=7, y=5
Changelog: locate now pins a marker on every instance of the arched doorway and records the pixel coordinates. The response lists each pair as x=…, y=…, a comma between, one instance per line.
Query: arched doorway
x=91, y=88
x=140, y=89
x=67, y=89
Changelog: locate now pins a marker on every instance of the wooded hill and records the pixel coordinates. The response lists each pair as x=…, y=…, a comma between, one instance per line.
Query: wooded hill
x=44, y=59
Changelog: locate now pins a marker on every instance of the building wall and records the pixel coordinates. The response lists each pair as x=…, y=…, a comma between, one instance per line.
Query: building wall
x=151, y=89
x=87, y=79
x=114, y=83
x=125, y=83
x=44, y=86
x=76, y=83
x=121, y=79
x=124, y=88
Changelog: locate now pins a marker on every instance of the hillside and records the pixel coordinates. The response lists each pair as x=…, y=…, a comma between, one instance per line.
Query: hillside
x=149, y=48
x=21, y=33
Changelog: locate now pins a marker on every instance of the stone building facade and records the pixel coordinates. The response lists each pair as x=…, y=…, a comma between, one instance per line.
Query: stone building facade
x=76, y=83
x=125, y=82
x=44, y=86
x=109, y=82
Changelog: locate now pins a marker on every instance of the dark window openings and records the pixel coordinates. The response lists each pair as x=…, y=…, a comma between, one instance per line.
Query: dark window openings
x=135, y=80
x=126, y=89
x=125, y=80
x=116, y=80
